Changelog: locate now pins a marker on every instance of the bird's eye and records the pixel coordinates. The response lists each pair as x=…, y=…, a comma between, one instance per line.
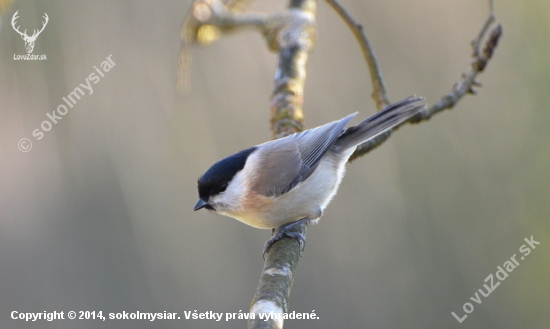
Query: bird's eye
x=223, y=187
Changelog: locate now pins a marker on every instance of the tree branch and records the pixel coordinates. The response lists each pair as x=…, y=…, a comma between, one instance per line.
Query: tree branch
x=292, y=34
x=464, y=86
x=294, y=39
x=379, y=93
x=205, y=21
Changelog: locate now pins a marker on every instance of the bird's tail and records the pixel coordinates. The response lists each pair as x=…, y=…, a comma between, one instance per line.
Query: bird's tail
x=391, y=116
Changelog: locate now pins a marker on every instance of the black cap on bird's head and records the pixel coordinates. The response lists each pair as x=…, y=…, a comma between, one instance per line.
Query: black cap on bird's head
x=216, y=179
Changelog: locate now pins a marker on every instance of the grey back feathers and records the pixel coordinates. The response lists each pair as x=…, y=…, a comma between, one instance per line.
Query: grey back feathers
x=316, y=142
x=288, y=161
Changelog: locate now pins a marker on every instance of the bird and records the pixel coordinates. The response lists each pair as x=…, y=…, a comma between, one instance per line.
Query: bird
x=290, y=181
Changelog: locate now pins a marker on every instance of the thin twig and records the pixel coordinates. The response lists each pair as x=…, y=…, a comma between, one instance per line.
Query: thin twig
x=467, y=82
x=464, y=86
x=379, y=93
x=476, y=43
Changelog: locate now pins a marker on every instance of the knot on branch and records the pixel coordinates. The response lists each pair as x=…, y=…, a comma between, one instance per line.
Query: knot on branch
x=490, y=46
x=208, y=19
x=290, y=29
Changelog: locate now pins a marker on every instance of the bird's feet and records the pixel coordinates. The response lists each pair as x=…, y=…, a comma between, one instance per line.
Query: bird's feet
x=284, y=231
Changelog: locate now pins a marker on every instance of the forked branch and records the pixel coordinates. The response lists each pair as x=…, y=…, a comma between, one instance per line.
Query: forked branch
x=464, y=86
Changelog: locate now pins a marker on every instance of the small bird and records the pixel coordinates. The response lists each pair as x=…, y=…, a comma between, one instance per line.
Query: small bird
x=289, y=181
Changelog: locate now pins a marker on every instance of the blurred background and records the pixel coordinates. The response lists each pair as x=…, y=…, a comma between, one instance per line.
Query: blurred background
x=98, y=214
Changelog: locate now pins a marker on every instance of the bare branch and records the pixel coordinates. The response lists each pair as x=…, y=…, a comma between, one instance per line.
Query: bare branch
x=205, y=21
x=464, y=86
x=490, y=19
x=379, y=93
x=294, y=37
x=275, y=282
x=292, y=34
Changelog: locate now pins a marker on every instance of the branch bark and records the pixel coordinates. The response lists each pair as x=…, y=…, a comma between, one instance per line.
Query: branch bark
x=294, y=39
x=292, y=34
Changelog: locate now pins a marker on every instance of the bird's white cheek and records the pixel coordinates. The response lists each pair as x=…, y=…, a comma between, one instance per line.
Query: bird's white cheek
x=230, y=200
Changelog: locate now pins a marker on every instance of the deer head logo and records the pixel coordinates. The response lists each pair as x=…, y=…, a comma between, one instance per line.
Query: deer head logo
x=29, y=40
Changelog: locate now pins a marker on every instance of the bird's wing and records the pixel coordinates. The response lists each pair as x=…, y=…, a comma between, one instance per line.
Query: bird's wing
x=291, y=160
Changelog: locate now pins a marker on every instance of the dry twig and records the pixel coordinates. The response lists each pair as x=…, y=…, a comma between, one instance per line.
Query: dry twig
x=464, y=86
x=379, y=93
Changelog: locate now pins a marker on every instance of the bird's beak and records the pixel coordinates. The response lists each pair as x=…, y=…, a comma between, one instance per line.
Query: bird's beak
x=200, y=204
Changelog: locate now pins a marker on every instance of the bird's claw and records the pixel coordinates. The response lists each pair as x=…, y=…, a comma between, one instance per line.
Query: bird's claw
x=284, y=231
